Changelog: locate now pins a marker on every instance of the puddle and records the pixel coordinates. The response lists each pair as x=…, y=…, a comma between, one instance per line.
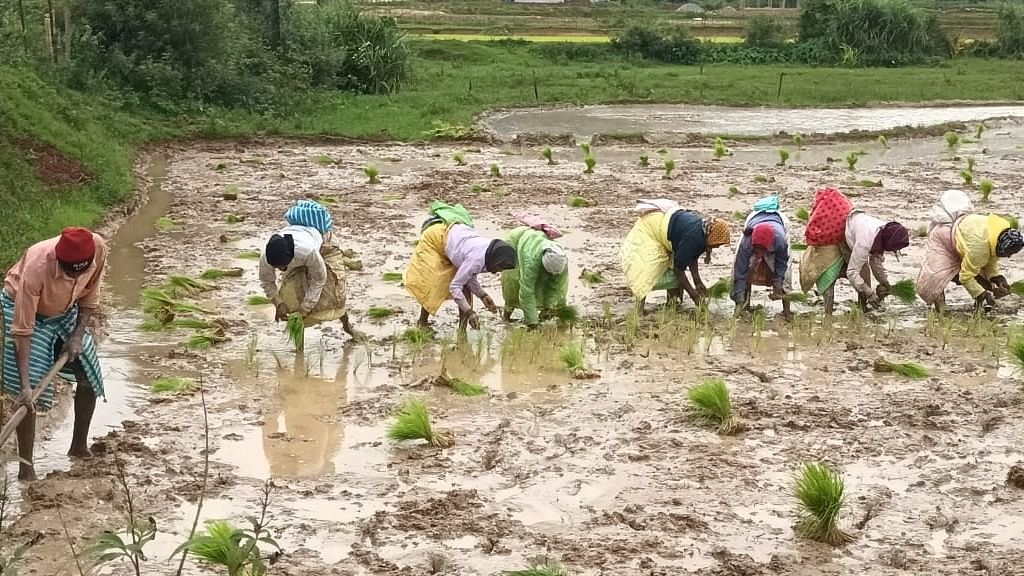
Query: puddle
x=667, y=120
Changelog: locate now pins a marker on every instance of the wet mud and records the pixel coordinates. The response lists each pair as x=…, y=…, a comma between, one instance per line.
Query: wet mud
x=606, y=476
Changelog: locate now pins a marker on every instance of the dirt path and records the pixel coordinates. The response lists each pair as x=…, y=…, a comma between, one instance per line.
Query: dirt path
x=606, y=476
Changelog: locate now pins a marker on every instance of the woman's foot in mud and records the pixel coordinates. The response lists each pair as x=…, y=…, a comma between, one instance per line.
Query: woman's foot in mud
x=80, y=452
x=26, y=473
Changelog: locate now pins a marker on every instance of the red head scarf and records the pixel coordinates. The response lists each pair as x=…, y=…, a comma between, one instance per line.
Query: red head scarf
x=763, y=236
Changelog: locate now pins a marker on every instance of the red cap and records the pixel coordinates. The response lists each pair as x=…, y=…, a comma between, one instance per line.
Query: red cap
x=75, y=245
x=763, y=236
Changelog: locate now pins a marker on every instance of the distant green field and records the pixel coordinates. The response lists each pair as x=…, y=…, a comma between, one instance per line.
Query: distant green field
x=581, y=39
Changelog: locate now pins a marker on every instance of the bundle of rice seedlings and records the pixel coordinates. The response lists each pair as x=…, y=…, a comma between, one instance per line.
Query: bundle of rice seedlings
x=413, y=423
x=372, y=174
x=985, y=187
x=720, y=289
x=218, y=273
x=906, y=369
x=798, y=247
x=545, y=569
x=645, y=161
x=380, y=312
x=820, y=497
x=459, y=158
x=851, y=160
x=257, y=300
x=172, y=385
x=233, y=219
x=585, y=148
x=803, y=214
x=968, y=177
x=192, y=324
x=760, y=179
x=152, y=325
x=296, y=331
x=1017, y=351
x=720, y=150
x=163, y=306
x=871, y=183
x=1017, y=287
x=548, y=155
x=798, y=140
x=589, y=162
x=391, y=277
x=952, y=140
x=204, y=341
x=883, y=141
x=578, y=202
x=734, y=190
x=165, y=223
x=495, y=171
x=187, y=285
x=783, y=157
x=670, y=165
x=591, y=277
x=464, y=388
x=573, y=357
x=1014, y=223
x=416, y=335
x=971, y=163
x=250, y=255
x=711, y=403
x=905, y=291
x=799, y=297
x=567, y=314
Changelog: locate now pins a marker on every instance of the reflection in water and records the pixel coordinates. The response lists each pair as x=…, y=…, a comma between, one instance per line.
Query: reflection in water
x=302, y=431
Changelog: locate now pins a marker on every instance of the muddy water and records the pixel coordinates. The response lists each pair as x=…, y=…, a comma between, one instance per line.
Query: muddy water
x=608, y=476
x=665, y=120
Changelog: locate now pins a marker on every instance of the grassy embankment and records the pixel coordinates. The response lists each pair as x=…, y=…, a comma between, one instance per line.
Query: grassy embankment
x=454, y=82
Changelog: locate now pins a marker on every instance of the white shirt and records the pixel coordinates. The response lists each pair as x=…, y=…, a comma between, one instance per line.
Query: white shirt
x=308, y=242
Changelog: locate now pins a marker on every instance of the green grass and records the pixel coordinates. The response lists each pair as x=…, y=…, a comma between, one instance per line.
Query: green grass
x=463, y=388
x=820, y=496
x=905, y=291
x=218, y=273
x=413, y=423
x=257, y=300
x=186, y=285
x=391, y=276
x=172, y=385
x=910, y=370
x=711, y=403
x=803, y=214
x=296, y=331
x=165, y=223
x=579, y=202
x=380, y=312
x=1017, y=352
x=250, y=255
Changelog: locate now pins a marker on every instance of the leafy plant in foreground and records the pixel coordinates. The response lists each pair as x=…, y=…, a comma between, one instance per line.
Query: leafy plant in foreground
x=172, y=385
x=413, y=423
x=372, y=174
x=296, y=331
x=803, y=214
x=670, y=165
x=820, y=497
x=235, y=549
x=589, y=161
x=710, y=403
x=783, y=157
x=905, y=291
x=548, y=155
x=985, y=187
x=851, y=160
x=911, y=370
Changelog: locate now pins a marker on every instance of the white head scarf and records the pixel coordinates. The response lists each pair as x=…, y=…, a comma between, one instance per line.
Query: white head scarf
x=554, y=259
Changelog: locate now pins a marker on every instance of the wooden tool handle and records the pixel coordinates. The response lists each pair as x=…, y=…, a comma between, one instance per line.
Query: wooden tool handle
x=41, y=387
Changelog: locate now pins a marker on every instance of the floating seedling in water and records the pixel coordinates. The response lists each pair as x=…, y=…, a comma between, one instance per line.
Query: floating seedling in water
x=905, y=291
x=883, y=141
x=163, y=307
x=380, y=312
x=783, y=157
x=851, y=160
x=733, y=190
x=579, y=202
x=589, y=161
x=391, y=277
x=986, y=187
x=591, y=277
x=798, y=247
x=871, y=183
x=416, y=335
x=372, y=174
x=165, y=223
x=979, y=131
x=720, y=289
x=218, y=273
x=459, y=158
x=670, y=165
x=172, y=385
x=549, y=155
x=543, y=569
x=574, y=359
x=296, y=331
x=232, y=219
x=250, y=255
x=952, y=141
x=803, y=214
x=186, y=285
x=413, y=423
x=495, y=171
x=798, y=140
x=585, y=148
x=720, y=150
x=257, y=300
x=711, y=404
x=968, y=177
x=645, y=161
x=820, y=498
x=204, y=341
x=323, y=160
x=760, y=179
x=906, y=369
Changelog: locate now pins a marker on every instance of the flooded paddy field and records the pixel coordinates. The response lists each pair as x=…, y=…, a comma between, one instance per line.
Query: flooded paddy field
x=604, y=475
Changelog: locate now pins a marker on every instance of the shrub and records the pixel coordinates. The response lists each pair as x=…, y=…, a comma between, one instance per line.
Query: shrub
x=339, y=46
x=765, y=32
x=1010, y=29
x=673, y=46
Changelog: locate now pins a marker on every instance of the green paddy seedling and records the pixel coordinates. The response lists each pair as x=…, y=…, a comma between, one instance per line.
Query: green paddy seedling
x=720, y=150
x=165, y=223
x=979, y=131
x=1012, y=220
x=798, y=247
x=573, y=359
x=585, y=148
x=186, y=285
x=204, y=341
x=1017, y=288
x=760, y=179
x=172, y=385
x=851, y=160
x=218, y=273
x=710, y=403
x=589, y=161
x=883, y=141
x=296, y=331
x=416, y=335
x=372, y=174
x=464, y=388
x=413, y=423
x=391, y=277
x=567, y=315
x=193, y=324
x=232, y=219
x=820, y=495
x=549, y=155
x=971, y=162
x=542, y=569
x=720, y=289
x=459, y=158
x=968, y=177
x=670, y=165
x=257, y=300
x=798, y=140
x=911, y=370
x=645, y=161
x=495, y=171
x=579, y=202
x=783, y=157
x=380, y=312
x=591, y=277
x=323, y=160
x=871, y=183
x=905, y=291
x=985, y=187
x=739, y=216
x=250, y=255
x=921, y=231
x=234, y=550
x=803, y=214
x=952, y=141
x=1017, y=352
x=733, y=190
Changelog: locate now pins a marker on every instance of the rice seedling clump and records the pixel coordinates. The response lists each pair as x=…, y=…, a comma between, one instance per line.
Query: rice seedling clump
x=905, y=291
x=380, y=312
x=545, y=569
x=464, y=388
x=911, y=370
x=820, y=498
x=413, y=423
x=257, y=300
x=296, y=331
x=172, y=385
x=711, y=403
x=720, y=289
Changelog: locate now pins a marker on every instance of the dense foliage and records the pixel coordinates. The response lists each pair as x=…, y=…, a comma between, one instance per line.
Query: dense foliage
x=765, y=32
x=673, y=45
x=1010, y=29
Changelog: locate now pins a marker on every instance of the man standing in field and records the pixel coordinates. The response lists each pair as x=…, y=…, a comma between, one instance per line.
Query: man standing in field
x=48, y=300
